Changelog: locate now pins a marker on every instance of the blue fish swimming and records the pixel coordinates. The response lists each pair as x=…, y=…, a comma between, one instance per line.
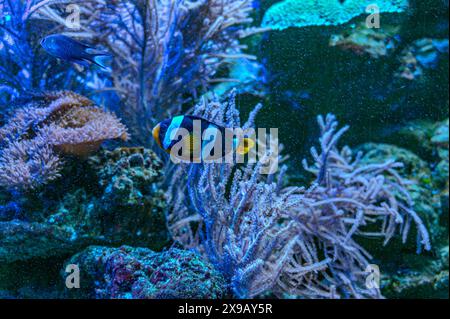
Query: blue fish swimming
x=68, y=49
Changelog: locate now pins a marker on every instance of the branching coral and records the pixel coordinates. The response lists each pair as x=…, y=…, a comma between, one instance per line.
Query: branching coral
x=164, y=51
x=294, y=13
x=289, y=240
x=56, y=122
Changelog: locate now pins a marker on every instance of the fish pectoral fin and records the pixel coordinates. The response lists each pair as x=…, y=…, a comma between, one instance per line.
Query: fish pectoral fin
x=245, y=146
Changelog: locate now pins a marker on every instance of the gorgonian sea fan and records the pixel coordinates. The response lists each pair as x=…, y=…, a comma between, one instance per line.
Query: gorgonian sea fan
x=59, y=123
x=290, y=241
x=164, y=51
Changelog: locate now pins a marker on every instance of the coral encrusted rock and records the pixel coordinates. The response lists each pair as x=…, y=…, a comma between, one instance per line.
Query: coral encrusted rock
x=111, y=198
x=140, y=273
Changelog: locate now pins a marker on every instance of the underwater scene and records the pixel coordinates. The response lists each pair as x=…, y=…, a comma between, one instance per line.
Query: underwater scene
x=224, y=149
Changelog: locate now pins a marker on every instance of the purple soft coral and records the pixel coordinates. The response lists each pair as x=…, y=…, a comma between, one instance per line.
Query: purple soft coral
x=291, y=240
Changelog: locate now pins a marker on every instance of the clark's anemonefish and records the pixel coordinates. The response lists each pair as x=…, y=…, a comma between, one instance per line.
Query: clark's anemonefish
x=194, y=138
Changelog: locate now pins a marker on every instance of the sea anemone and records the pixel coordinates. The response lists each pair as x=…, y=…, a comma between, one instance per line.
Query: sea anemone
x=48, y=127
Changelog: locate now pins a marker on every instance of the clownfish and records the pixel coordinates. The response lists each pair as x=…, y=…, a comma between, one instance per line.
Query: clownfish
x=198, y=138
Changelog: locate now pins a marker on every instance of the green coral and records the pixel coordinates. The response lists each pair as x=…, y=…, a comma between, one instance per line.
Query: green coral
x=299, y=13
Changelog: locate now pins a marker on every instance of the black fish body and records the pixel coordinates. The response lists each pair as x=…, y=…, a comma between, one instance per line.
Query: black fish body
x=68, y=49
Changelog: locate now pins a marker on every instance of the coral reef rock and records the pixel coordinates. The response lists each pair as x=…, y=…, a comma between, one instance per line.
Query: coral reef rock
x=132, y=204
x=421, y=55
x=24, y=240
x=140, y=273
x=415, y=170
x=199, y=40
x=440, y=142
x=422, y=279
x=361, y=40
x=110, y=198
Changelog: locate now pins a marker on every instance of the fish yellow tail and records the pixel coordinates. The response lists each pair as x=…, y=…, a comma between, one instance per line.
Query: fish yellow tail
x=245, y=146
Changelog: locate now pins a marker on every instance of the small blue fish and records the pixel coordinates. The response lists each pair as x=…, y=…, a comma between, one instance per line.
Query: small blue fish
x=68, y=49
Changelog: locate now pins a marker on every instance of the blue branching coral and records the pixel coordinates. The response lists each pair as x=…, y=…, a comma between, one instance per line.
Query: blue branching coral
x=296, y=13
x=291, y=240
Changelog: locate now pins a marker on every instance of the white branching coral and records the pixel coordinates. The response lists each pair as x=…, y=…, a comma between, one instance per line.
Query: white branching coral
x=290, y=240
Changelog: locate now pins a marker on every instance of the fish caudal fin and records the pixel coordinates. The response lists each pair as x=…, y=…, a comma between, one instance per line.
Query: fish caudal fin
x=101, y=60
x=97, y=57
x=245, y=146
